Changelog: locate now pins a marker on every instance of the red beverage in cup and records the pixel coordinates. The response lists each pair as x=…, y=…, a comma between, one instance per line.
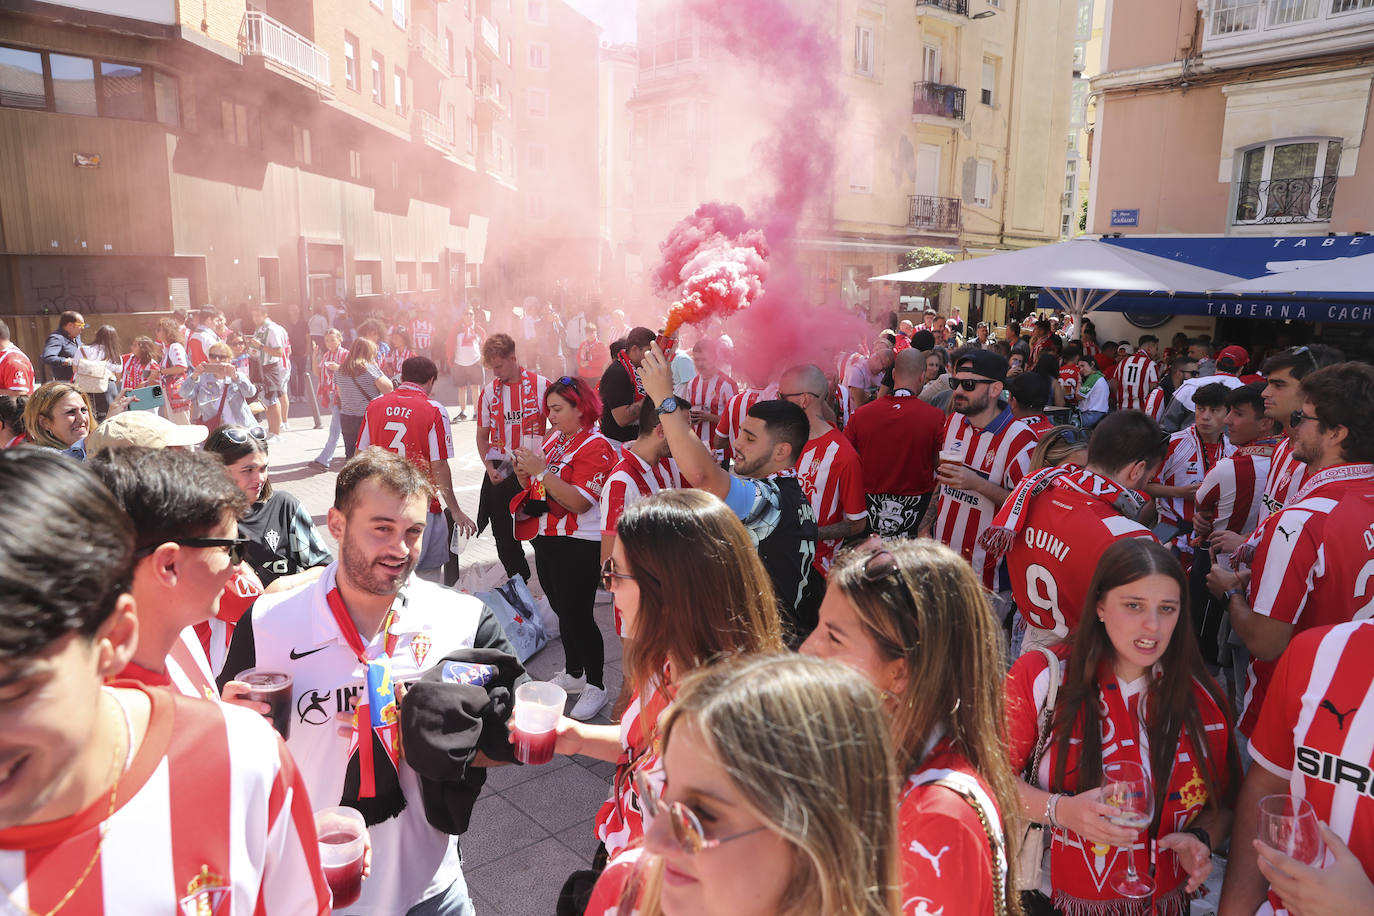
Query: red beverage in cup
x=274, y=689
x=534, y=749
x=342, y=836
x=346, y=880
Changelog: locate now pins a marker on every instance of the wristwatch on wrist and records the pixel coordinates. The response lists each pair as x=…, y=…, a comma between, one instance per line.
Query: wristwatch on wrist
x=542, y=474
x=1231, y=593
x=668, y=406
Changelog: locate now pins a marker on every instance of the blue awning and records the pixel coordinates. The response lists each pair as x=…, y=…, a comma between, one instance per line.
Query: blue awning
x=1249, y=258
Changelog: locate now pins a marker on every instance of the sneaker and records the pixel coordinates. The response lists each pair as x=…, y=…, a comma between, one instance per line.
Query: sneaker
x=569, y=683
x=462, y=415
x=590, y=703
x=320, y=464
x=285, y=426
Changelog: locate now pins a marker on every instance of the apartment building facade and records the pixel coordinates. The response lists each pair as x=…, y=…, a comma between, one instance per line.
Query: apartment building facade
x=164, y=153
x=952, y=135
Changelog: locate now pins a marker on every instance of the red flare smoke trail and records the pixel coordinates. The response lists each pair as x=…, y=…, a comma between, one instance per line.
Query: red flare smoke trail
x=715, y=262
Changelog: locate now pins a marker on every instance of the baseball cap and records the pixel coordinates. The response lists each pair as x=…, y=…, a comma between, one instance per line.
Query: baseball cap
x=986, y=363
x=1235, y=354
x=143, y=428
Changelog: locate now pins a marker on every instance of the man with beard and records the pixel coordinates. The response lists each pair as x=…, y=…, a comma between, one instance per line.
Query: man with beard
x=368, y=624
x=1283, y=375
x=763, y=491
x=994, y=451
x=1308, y=568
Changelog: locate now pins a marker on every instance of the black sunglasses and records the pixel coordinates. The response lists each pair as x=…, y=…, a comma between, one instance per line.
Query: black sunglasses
x=1296, y=417
x=1297, y=351
x=235, y=546
x=968, y=384
x=240, y=434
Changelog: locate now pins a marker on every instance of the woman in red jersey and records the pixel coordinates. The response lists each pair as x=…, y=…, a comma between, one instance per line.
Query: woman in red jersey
x=912, y=617
x=1134, y=690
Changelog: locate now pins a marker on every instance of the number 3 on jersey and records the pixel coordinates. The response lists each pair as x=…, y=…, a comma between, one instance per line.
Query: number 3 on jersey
x=1043, y=595
x=397, y=443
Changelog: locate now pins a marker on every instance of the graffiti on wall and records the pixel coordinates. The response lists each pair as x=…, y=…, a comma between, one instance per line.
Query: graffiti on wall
x=107, y=288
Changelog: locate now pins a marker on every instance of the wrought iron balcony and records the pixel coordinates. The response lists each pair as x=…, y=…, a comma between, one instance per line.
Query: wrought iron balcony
x=489, y=104
x=425, y=46
x=1286, y=200
x=265, y=37
x=939, y=213
x=434, y=131
x=950, y=6
x=939, y=100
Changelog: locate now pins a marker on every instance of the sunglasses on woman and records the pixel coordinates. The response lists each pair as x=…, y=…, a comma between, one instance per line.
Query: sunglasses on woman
x=687, y=830
x=609, y=575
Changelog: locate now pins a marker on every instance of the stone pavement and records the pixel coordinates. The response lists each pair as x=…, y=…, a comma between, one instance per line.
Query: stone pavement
x=532, y=826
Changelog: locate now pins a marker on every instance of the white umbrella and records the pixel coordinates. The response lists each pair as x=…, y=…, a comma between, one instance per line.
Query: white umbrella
x=1338, y=275
x=1080, y=274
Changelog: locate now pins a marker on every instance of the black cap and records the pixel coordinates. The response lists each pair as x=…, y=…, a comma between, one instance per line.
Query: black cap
x=986, y=363
x=1031, y=390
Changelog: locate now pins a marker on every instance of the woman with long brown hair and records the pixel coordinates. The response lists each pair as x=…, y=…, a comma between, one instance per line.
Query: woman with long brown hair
x=1134, y=692
x=912, y=617
x=691, y=590
x=357, y=382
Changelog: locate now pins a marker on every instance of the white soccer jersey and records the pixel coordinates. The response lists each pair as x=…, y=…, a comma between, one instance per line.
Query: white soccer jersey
x=515, y=414
x=1287, y=473
x=831, y=476
x=1136, y=374
x=631, y=480
x=1231, y=492
x=212, y=817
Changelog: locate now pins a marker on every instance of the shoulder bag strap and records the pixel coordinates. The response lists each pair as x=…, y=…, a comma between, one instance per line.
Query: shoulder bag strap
x=359, y=385
x=1045, y=717
x=969, y=790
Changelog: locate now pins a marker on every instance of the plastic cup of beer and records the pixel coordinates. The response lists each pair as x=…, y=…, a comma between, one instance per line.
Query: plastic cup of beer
x=341, y=833
x=538, y=707
x=274, y=689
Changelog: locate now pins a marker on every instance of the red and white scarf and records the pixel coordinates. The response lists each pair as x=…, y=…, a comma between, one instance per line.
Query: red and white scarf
x=529, y=406
x=1008, y=521
x=1079, y=870
x=634, y=376
x=1245, y=553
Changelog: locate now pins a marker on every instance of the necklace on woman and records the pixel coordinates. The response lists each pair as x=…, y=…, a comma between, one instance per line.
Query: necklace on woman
x=115, y=767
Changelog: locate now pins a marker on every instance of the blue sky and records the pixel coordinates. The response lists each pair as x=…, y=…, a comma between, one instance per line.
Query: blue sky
x=616, y=17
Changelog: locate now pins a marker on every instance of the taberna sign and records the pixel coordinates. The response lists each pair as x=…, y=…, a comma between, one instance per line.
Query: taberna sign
x=1268, y=309
x=1126, y=217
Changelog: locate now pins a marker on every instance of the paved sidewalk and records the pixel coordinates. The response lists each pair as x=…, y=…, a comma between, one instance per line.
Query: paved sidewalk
x=532, y=826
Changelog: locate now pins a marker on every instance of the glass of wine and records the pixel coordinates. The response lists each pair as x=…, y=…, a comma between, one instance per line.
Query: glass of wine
x=1289, y=824
x=1127, y=788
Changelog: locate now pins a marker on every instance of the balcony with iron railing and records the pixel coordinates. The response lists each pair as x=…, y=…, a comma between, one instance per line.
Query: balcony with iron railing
x=489, y=34
x=938, y=214
x=938, y=100
x=1285, y=200
x=958, y=7
x=426, y=47
x=265, y=37
x=489, y=104
x=434, y=131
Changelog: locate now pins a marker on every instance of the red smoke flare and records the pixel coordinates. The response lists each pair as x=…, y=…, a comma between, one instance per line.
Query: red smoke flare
x=715, y=262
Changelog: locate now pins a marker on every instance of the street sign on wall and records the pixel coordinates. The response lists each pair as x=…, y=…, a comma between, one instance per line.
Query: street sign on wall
x=1126, y=217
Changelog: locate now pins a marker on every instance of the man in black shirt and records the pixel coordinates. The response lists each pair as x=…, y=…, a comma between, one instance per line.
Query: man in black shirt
x=620, y=389
x=764, y=492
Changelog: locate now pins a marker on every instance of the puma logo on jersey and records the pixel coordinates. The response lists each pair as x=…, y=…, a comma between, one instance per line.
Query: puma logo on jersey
x=924, y=853
x=1287, y=535
x=1340, y=716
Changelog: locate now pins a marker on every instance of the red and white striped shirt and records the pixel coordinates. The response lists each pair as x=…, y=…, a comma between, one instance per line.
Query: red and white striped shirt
x=1314, y=731
x=738, y=408
x=327, y=393
x=515, y=414
x=212, y=817
x=421, y=333
x=136, y=374
x=831, y=476
x=585, y=463
x=1039, y=424
x=1137, y=374
x=1155, y=403
x=186, y=669
x=1293, y=577
x=198, y=345
x=409, y=423
x=237, y=599
x=1001, y=453
x=631, y=480
x=711, y=395
x=1287, y=474
x=1187, y=461
x=174, y=358
x=1231, y=493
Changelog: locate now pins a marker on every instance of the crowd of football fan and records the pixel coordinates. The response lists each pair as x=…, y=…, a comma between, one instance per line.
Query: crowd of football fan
x=964, y=622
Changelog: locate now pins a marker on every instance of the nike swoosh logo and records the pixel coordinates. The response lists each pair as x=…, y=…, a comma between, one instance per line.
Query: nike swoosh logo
x=295, y=655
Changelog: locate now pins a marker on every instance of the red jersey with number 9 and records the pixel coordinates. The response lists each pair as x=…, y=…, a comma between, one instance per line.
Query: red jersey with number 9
x=1056, y=552
x=411, y=424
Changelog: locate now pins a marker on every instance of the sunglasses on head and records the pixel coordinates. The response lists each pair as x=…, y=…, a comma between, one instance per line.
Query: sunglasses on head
x=241, y=434
x=968, y=384
x=686, y=826
x=1300, y=351
x=234, y=545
